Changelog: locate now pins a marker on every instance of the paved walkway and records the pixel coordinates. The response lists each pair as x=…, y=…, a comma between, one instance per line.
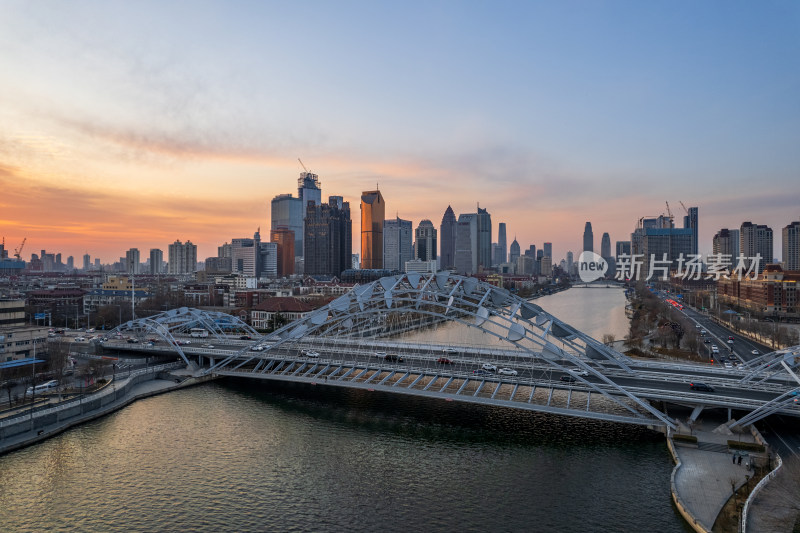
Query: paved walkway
x=703, y=481
x=137, y=391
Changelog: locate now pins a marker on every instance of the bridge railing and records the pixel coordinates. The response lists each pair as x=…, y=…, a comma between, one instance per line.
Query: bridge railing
x=102, y=393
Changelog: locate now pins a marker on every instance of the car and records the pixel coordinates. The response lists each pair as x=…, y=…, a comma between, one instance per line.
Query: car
x=754, y=352
x=706, y=341
x=730, y=341
x=450, y=350
x=568, y=379
x=257, y=349
x=698, y=326
x=312, y=354
x=507, y=371
x=577, y=372
x=133, y=341
x=394, y=358
x=80, y=339
x=245, y=338
x=481, y=372
x=703, y=332
x=489, y=366
x=444, y=361
x=208, y=346
x=728, y=365
x=380, y=355
x=698, y=386
x=730, y=337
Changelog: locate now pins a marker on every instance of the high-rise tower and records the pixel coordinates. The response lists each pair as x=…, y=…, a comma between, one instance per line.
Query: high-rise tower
x=588, y=238
x=373, y=213
x=447, y=255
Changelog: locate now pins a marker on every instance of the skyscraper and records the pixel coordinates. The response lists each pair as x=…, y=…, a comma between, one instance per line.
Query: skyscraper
x=623, y=248
x=588, y=238
x=484, y=223
x=287, y=212
x=502, y=243
x=513, y=252
x=466, y=257
x=548, y=249
x=570, y=261
x=284, y=238
x=605, y=246
x=690, y=222
x=425, y=241
x=726, y=242
x=245, y=256
x=156, y=259
x=373, y=213
x=791, y=246
x=87, y=262
x=397, y=245
x=309, y=189
x=132, y=261
x=753, y=240
x=182, y=257
x=329, y=238
x=447, y=256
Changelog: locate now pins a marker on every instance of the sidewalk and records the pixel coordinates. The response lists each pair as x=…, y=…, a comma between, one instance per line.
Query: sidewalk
x=702, y=478
x=136, y=391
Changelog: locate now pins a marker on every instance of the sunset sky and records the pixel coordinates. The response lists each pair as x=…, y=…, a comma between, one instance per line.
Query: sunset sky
x=133, y=124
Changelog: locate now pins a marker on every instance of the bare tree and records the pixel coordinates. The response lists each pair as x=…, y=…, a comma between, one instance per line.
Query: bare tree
x=608, y=339
x=783, y=495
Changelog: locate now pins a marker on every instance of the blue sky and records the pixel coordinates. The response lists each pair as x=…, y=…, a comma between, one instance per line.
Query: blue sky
x=188, y=117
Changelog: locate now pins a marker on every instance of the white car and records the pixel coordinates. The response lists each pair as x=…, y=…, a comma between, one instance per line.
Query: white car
x=755, y=352
x=312, y=354
x=730, y=341
x=380, y=355
x=208, y=346
x=257, y=349
x=578, y=372
x=507, y=371
x=489, y=366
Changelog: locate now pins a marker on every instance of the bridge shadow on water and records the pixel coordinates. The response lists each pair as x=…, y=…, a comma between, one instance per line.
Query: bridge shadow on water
x=428, y=419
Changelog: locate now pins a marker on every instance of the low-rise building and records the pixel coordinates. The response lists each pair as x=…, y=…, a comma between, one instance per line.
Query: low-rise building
x=773, y=293
x=290, y=309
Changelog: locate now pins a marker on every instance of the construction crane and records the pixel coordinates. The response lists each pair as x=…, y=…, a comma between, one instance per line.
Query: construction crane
x=669, y=213
x=302, y=165
x=684, y=207
x=18, y=251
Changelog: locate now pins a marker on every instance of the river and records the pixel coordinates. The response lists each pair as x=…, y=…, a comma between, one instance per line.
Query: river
x=232, y=456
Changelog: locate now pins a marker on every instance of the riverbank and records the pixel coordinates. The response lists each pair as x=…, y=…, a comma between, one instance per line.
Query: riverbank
x=21, y=431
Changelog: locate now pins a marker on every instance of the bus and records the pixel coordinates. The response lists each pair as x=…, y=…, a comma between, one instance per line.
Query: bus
x=198, y=332
x=44, y=387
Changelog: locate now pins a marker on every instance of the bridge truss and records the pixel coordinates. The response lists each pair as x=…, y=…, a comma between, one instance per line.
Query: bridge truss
x=345, y=331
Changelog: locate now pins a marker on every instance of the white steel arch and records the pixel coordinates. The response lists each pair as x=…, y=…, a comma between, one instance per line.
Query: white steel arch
x=535, y=335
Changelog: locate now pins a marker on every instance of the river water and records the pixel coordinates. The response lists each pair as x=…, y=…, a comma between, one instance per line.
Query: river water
x=233, y=456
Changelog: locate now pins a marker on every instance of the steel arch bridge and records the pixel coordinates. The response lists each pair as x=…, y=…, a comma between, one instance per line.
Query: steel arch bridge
x=180, y=322
x=604, y=384
x=532, y=336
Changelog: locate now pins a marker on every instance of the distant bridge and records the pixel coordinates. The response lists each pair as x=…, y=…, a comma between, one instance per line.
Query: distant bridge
x=540, y=364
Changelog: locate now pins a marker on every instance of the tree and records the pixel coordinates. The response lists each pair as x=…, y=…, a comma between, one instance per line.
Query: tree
x=608, y=339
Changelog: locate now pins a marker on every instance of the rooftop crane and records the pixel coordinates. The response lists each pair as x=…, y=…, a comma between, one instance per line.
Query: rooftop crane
x=18, y=251
x=684, y=207
x=669, y=212
x=302, y=165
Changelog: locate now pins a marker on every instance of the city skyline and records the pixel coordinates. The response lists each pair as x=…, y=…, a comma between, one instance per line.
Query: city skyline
x=109, y=142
